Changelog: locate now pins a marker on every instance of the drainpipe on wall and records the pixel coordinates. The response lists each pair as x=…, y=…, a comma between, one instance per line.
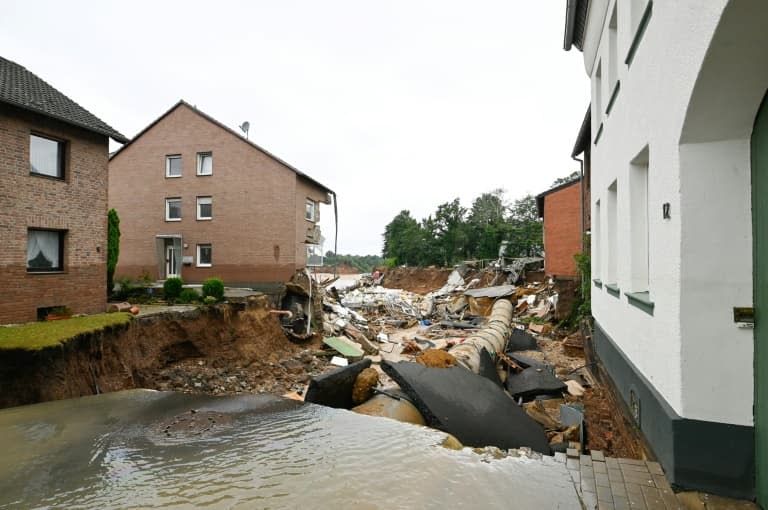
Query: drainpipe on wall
x=581, y=196
x=336, y=233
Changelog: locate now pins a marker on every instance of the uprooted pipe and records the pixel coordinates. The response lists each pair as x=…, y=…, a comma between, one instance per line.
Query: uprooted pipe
x=493, y=337
x=286, y=313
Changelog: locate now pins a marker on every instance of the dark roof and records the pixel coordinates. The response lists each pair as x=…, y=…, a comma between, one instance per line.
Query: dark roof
x=575, y=24
x=540, y=196
x=26, y=90
x=229, y=130
x=585, y=134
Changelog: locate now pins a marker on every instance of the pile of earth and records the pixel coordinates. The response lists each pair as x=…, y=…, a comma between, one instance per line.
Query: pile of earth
x=420, y=280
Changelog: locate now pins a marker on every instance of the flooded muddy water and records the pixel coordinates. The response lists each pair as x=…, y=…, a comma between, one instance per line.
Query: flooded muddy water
x=147, y=449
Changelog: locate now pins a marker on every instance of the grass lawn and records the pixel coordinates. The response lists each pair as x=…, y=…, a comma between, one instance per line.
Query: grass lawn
x=39, y=335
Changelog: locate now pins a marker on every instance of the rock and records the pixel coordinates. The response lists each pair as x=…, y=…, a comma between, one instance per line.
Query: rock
x=537, y=411
x=365, y=382
x=541, y=329
x=574, y=388
x=436, y=358
x=334, y=388
x=469, y=406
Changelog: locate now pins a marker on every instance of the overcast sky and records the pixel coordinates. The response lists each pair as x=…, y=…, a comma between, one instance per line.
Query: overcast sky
x=394, y=105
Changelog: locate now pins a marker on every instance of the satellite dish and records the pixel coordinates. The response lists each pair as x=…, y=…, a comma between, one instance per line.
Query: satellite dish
x=244, y=127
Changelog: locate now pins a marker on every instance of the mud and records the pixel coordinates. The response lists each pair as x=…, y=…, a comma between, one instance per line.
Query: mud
x=420, y=280
x=217, y=350
x=436, y=358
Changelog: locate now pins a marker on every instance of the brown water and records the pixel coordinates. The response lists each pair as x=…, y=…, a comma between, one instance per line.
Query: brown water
x=145, y=449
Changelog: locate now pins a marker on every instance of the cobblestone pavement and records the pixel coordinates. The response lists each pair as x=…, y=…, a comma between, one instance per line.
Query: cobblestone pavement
x=607, y=483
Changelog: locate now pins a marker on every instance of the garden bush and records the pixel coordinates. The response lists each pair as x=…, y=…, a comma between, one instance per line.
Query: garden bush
x=213, y=287
x=172, y=289
x=188, y=296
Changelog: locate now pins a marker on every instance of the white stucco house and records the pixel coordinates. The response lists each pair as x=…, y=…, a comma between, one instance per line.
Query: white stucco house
x=679, y=206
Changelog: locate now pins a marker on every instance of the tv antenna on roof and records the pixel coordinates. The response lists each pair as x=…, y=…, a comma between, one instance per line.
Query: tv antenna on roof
x=244, y=128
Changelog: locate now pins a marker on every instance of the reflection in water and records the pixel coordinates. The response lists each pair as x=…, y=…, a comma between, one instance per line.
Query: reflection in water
x=114, y=451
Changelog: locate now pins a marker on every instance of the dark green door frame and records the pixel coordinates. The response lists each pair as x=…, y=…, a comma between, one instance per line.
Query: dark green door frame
x=759, y=149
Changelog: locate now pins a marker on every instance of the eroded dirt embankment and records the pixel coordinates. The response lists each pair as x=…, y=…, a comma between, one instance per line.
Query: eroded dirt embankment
x=220, y=350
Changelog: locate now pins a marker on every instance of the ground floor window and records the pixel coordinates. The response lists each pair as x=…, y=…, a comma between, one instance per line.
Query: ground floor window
x=45, y=250
x=204, y=255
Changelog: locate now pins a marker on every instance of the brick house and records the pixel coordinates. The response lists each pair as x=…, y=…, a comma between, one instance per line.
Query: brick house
x=560, y=207
x=53, y=199
x=197, y=200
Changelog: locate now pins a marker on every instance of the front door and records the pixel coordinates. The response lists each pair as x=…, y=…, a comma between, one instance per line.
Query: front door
x=760, y=240
x=171, y=269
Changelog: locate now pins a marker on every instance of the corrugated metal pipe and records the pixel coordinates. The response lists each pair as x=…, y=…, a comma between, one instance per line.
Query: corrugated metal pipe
x=493, y=337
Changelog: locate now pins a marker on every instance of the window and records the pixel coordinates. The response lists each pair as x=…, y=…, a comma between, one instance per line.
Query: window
x=638, y=202
x=204, y=255
x=612, y=237
x=596, y=243
x=46, y=156
x=173, y=166
x=310, y=210
x=597, y=92
x=45, y=250
x=204, y=208
x=172, y=209
x=613, y=70
x=204, y=163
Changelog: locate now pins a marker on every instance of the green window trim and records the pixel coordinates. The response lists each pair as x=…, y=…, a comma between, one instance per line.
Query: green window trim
x=599, y=132
x=598, y=283
x=613, y=289
x=639, y=33
x=614, y=94
x=641, y=300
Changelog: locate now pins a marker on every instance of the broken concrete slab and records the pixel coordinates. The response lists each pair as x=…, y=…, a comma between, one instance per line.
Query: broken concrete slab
x=491, y=292
x=344, y=346
x=334, y=388
x=526, y=361
x=469, y=406
x=521, y=340
x=541, y=329
x=532, y=382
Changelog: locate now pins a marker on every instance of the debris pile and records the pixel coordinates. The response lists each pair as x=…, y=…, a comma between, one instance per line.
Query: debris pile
x=477, y=357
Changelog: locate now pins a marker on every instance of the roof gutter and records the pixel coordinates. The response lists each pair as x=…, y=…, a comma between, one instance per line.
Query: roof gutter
x=570, y=21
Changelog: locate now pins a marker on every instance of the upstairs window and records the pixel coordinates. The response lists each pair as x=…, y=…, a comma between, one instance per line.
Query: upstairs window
x=173, y=166
x=204, y=208
x=45, y=250
x=204, y=163
x=310, y=213
x=172, y=209
x=46, y=156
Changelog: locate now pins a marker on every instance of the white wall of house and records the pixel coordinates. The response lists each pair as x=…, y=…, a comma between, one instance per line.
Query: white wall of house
x=699, y=261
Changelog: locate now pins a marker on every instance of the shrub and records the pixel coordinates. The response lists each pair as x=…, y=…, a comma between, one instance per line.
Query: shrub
x=172, y=288
x=209, y=300
x=390, y=262
x=125, y=287
x=213, y=287
x=188, y=296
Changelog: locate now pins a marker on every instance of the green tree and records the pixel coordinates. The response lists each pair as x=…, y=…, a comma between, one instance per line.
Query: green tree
x=525, y=236
x=487, y=224
x=113, y=247
x=451, y=231
x=563, y=180
x=402, y=239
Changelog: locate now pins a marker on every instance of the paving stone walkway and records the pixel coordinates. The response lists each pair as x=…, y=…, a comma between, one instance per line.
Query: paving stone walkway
x=607, y=483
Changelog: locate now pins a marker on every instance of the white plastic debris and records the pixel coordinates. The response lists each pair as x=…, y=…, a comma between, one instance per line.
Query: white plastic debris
x=339, y=361
x=382, y=337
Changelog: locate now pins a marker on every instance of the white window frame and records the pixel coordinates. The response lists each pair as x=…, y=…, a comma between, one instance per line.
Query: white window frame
x=310, y=214
x=204, y=200
x=168, y=166
x=201, y=264
x=168, y=208
x=200, y=156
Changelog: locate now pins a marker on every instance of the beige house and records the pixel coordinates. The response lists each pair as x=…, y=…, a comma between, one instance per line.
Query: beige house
x=196, y=200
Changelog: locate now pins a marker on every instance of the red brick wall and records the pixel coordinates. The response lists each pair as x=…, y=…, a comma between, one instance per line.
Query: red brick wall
x=257, y=203
x=78, y=204
x=562, y=230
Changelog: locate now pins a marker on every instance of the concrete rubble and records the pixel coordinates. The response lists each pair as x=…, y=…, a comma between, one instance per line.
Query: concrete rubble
x=466, y=357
